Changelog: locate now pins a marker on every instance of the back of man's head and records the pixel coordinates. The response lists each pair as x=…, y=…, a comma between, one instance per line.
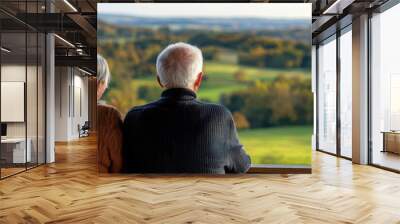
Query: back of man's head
x=179, y=65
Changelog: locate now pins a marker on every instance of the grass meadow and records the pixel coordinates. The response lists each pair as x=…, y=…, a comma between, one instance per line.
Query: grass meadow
x=278, y=145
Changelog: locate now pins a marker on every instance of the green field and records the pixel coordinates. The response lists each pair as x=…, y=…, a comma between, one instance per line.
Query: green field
x=280, y=145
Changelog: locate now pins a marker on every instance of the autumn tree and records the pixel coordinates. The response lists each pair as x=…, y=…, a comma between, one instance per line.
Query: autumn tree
x=240, y=121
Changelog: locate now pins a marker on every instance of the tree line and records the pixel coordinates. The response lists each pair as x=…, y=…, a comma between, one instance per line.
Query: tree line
x=286, y=100
x=137, y=47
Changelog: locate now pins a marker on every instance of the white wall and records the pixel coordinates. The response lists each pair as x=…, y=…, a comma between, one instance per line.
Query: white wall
x=61, y=103
x=71, y=94
x=12, y=73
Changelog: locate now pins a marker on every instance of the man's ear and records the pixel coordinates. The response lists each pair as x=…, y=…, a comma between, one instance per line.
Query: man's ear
x=197, y=83
x=159, y=81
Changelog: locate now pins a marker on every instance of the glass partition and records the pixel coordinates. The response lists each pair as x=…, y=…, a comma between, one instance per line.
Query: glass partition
x=15, y=151
x=22, y=90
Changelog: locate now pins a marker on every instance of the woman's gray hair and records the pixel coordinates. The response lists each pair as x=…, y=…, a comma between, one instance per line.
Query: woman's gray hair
x=103, y=72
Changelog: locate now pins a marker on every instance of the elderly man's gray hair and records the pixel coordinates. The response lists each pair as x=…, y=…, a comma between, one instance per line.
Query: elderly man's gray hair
x=103, y=72
x=178, y=65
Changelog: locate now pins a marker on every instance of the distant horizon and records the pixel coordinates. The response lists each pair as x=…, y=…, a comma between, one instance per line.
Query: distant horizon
x=178, y=17
x=273, y=11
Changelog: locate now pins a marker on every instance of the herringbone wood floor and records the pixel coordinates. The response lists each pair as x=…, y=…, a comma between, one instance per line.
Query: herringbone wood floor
x=71, y=191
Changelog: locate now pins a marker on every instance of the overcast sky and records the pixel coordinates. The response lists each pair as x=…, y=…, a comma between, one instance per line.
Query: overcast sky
x=260, y=10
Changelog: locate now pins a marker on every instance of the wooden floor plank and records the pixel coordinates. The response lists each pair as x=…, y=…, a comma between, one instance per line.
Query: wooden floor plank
x=71, y=191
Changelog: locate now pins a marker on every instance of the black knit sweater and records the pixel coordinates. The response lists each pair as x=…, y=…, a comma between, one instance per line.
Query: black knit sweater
x=179, y=134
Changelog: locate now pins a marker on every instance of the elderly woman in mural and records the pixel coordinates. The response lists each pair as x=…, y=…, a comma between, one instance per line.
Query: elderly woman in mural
x=109, y=125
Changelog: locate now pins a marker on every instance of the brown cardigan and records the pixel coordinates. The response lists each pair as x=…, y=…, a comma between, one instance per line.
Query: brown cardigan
x=109, y=139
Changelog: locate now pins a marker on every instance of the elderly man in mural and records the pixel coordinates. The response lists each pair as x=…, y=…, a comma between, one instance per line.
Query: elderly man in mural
x=178, y=133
